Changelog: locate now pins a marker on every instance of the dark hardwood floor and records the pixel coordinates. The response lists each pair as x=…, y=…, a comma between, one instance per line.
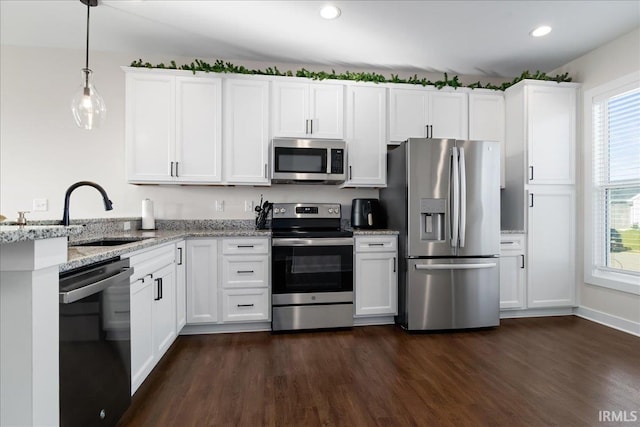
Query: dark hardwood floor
x=528, y=372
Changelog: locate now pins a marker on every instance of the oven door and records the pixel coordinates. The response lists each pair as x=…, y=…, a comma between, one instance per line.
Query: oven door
x=316, y=265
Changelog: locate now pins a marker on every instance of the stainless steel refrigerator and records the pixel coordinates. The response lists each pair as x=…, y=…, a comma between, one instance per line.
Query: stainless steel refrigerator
x=443, y=195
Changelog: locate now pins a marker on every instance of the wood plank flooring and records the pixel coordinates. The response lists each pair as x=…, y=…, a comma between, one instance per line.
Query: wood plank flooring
x=528, y=372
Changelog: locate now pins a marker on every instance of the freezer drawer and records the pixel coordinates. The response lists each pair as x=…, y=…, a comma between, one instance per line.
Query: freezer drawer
x=449, y=293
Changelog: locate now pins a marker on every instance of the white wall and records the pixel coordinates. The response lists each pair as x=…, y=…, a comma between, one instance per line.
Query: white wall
x=611, y=61
x=42, y=152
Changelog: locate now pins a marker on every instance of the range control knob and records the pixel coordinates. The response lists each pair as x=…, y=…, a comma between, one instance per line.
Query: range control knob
x=330, y=210
x=282, y=210
x=276, y=210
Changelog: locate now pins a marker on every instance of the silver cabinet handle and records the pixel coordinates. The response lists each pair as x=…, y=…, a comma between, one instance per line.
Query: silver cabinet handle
x=177, y=163
x=507, y=242
x=522, y=266
x=350, y=174
x=244, y=246
x=180, y=262
x=94, y=288
x=376, y=244
x=245, y=272
x=171, y=169
x=311, y=125
x=245, y=305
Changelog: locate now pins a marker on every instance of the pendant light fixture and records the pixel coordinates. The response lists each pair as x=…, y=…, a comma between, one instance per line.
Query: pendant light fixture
x=87, y=106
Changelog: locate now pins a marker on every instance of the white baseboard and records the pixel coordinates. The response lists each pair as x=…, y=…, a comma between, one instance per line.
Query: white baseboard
x=225, y=328
x=609, y=320
x=536, y=312
x=370, y=321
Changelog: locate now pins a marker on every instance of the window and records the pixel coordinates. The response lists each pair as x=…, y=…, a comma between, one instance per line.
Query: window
x=612, y=185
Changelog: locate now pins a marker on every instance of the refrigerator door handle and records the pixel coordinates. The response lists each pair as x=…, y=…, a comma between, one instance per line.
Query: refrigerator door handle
x=463, y=197
x=454, y=266
x=455, y=197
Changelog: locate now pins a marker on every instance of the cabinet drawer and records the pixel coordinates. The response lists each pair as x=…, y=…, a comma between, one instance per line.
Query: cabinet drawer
x=245, y=246
x=382, y=243
x=242, y=305
x=245, y=271
x=147, y=262
x=512, y=243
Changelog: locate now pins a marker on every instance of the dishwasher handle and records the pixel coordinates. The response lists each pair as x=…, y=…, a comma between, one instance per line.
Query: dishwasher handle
x=85, y=291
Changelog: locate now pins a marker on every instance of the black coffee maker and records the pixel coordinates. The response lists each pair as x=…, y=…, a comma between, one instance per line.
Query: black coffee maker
x=367, y=213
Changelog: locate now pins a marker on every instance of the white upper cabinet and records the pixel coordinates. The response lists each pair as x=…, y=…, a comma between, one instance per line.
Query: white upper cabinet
x=246, y=131
x=551, y=139
x=486, y=121
x=173, y=128
x=366, y=136
x=427, y=113
x=308, y=110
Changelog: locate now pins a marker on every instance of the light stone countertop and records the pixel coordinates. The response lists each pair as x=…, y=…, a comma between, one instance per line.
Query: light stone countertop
x=18, y=233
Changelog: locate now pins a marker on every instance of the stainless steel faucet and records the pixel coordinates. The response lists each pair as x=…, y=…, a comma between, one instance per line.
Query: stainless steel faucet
x=107, y=203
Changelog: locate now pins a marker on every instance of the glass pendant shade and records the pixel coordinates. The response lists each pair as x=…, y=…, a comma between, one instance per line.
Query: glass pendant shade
x=87, y=106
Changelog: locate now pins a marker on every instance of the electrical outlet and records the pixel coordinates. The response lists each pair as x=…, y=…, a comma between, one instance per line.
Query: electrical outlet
x=40, y=205
x=248, y=205
x=219, y=205
x=127, y=225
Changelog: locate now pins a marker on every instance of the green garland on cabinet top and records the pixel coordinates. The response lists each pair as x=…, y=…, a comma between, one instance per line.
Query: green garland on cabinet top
x=227, y=67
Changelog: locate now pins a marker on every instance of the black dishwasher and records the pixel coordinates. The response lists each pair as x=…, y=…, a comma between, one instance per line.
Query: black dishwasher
x=95, y=344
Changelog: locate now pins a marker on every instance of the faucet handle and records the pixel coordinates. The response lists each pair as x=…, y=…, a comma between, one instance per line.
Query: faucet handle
x=22, y=220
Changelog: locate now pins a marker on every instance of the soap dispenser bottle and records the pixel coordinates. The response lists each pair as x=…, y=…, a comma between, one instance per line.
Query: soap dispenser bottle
x=22, y=220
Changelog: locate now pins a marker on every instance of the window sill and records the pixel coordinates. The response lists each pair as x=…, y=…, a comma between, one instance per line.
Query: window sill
x=620, y=282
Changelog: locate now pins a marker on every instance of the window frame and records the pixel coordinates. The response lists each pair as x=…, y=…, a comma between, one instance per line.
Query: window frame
x=594, y=275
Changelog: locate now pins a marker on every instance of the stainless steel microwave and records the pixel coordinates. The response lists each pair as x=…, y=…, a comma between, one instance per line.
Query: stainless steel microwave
x=308, y=161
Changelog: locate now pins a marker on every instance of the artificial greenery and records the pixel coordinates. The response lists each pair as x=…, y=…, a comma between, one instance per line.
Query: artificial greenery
x=227, y=67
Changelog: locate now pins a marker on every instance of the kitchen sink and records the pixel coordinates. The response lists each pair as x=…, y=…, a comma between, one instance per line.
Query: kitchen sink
x=110, y=241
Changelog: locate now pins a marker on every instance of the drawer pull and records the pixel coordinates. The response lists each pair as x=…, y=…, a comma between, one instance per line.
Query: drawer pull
x=504, y=242
x=376, y=244
x=245, y=305
x=245, y=271
x=245, y=246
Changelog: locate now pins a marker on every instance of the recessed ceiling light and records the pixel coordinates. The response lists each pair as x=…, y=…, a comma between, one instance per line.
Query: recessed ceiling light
x=542, y=30
x=329, y=12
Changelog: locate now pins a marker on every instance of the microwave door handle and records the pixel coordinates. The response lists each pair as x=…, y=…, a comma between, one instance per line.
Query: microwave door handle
x=463, y=197
x=455, y=197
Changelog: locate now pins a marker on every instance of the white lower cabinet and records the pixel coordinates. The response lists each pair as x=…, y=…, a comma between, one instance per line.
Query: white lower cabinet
x=228, y=280
x=153, y=310
x=512, y=271
x=376, y=275
x=551, y=246
x=202, y=281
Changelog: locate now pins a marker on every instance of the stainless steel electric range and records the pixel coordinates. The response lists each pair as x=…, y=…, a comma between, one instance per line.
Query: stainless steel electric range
x=311, y=267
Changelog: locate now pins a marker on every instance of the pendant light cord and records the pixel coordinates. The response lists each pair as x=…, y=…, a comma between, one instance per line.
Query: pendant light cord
x=86, y=84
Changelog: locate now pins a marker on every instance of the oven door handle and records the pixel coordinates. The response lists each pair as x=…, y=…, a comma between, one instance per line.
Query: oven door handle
x=340, y=241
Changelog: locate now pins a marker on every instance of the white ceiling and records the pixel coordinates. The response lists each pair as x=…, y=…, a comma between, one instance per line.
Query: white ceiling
x=484, y=38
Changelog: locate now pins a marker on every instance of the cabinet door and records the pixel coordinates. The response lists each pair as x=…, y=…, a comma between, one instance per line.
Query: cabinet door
x=246, y=132
x=198, y=129
x=326, y=111
x=551, y=127
x=164, y=309
x=290, y=109
x=448, y=114
x=150, y=127
x=181, y=286
x=551, y=247
x=202, y=281
x=376, y=287
x=408, y=112
x=487, y=122
x=142, y=354
x=512, y=276
x=366, y=136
